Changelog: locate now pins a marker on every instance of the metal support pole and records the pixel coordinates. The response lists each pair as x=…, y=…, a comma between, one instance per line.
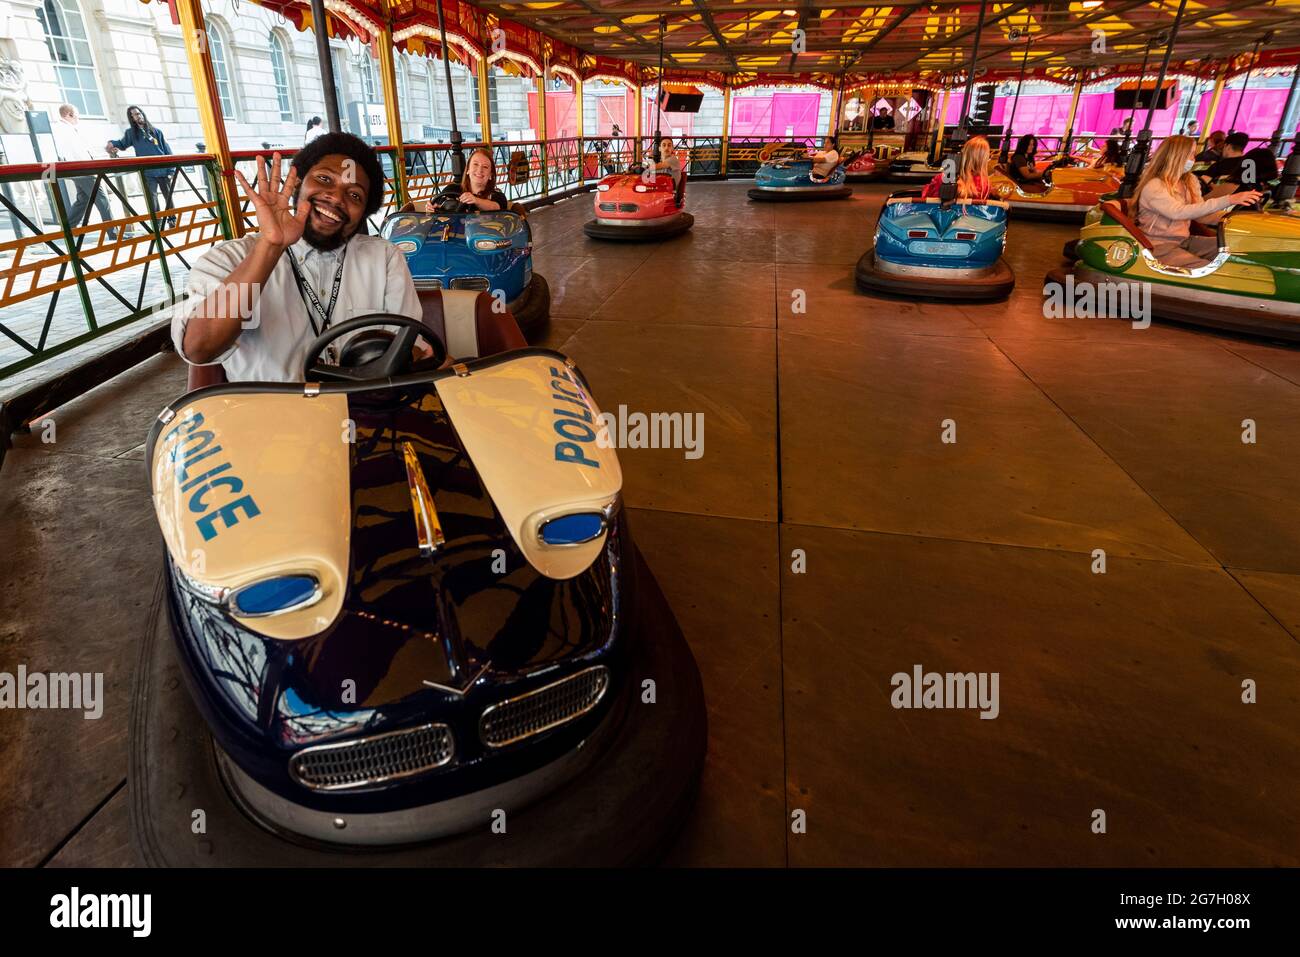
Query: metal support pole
x=1133, y=167
x=329, y=85
x=541, y=119
x=1276, y=143
x=392, y=107
x=193, y=28
x=726, y=128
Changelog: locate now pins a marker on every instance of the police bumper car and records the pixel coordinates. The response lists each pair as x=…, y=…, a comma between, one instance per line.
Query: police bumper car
x=632, y=207
x=793, y=180
x=459, y=247
x=929, y=249
x=401, y=620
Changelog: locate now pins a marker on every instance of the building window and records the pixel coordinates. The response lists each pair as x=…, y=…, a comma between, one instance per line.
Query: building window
x=65, y=36
x=369, y=78
x=493, y=112
x=221, y=71
x=280, y=72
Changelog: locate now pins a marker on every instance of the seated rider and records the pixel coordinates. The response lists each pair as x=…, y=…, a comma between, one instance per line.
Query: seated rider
x=258, y=302
x=972, y=176
x=1110, y=155
x=477, y=188
x=669, y=161
x=1022, y=166
x=1228, y=165
x=825, y=159
x=1167, y=200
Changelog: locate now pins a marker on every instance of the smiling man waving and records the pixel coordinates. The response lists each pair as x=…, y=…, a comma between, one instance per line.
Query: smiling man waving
x=258, y=302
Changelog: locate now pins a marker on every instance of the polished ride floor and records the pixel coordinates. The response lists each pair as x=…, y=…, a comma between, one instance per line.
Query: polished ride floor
x=827, y=539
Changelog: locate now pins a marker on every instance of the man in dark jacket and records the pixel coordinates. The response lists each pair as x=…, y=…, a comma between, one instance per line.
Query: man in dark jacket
x=147, y=140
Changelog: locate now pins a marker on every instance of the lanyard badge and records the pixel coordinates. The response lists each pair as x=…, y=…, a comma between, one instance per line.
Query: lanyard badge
x=319, y=316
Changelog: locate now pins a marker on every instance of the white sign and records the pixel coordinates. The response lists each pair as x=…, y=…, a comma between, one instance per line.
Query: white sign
x=376, y=119
x=909, y=109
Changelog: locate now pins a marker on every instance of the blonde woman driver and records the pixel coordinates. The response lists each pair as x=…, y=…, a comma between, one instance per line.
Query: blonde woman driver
x=1167, y=199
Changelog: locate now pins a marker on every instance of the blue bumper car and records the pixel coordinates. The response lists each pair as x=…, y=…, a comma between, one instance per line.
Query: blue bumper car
x=793, y=181
x=929, y=249
x=485, y=252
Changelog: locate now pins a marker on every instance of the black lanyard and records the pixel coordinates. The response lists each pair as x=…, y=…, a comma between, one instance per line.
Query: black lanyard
x=311, y=300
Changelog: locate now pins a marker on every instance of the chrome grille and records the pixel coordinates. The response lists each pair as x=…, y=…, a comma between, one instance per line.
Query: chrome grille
x=373, y=760
x=477, y=283
x=428, y=284
x=548, y=707
x=619, y=207
x=608, y=207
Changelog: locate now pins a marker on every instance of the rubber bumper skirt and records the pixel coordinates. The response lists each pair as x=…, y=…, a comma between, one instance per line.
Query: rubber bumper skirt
x=532, y=310
x=640, y=234
x=1191, y=309
x=1071, y=249
x=996, y=285
x=799, y=195
x=625, y=808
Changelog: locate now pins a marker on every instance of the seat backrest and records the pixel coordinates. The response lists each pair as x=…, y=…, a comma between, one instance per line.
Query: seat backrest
x=1118, y=210
x=681, y=188
x=468, y=325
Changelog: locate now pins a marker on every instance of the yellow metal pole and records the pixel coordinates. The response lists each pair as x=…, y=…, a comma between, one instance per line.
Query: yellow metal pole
x=581, y=153
x=1219, y=82
x=484, y=102
x=837, y=104
x=541, y=119
x=636, y=148
x=392, y=108
x=726, y=127
x=194, y=30
x=1069, y=122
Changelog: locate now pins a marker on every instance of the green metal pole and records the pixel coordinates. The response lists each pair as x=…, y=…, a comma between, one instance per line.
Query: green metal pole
x=62, y=213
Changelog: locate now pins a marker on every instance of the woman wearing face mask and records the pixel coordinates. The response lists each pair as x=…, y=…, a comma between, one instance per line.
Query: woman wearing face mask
x=1167, y=199
x=477, y=187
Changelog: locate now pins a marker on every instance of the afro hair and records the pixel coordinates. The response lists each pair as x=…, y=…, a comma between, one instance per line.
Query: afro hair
x=354, y=148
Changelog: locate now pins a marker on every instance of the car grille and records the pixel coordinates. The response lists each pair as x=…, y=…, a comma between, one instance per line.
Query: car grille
x=373, y=760
x=477, y=283
x=548, y=707
x=619, y=207
x=428, y=284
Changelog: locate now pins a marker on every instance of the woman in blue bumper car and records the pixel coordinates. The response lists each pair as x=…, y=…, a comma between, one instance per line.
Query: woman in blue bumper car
x=972, y=176
x=477, y=190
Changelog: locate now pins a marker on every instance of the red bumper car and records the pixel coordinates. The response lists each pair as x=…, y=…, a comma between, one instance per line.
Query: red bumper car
x=636, y=207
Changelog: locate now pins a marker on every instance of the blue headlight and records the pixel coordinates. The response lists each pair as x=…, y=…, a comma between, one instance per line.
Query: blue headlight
x=275, y=595
x=573, y=529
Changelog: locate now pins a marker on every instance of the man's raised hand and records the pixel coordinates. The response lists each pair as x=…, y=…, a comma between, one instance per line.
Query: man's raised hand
x=279, y=223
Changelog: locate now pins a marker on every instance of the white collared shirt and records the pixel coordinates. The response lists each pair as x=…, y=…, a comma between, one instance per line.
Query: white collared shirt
x=69, y=143
x=275, y=337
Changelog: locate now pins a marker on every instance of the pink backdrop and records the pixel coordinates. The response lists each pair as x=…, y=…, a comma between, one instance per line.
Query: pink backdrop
x=1047, y=114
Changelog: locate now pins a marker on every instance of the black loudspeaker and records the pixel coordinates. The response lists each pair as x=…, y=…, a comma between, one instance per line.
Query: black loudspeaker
x=982, y=109
x=1128, y=99
x=680, y=101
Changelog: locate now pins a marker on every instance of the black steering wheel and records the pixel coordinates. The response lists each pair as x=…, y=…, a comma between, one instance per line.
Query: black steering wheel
x=374, y=357
x=450, y=203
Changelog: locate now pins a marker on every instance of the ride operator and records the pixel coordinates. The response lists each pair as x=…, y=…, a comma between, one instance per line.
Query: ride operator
x=259, y=301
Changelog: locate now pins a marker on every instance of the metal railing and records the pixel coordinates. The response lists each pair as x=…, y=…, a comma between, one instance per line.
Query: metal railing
x=140, y=222
x=150, y=217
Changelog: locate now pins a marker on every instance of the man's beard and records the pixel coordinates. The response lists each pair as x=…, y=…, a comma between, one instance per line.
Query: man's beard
x=323, y=242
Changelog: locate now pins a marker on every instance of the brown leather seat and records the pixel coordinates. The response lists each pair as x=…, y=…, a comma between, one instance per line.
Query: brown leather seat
x=680, y=196
x=1118, y=210
x=490, y=333
x=493, y=332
